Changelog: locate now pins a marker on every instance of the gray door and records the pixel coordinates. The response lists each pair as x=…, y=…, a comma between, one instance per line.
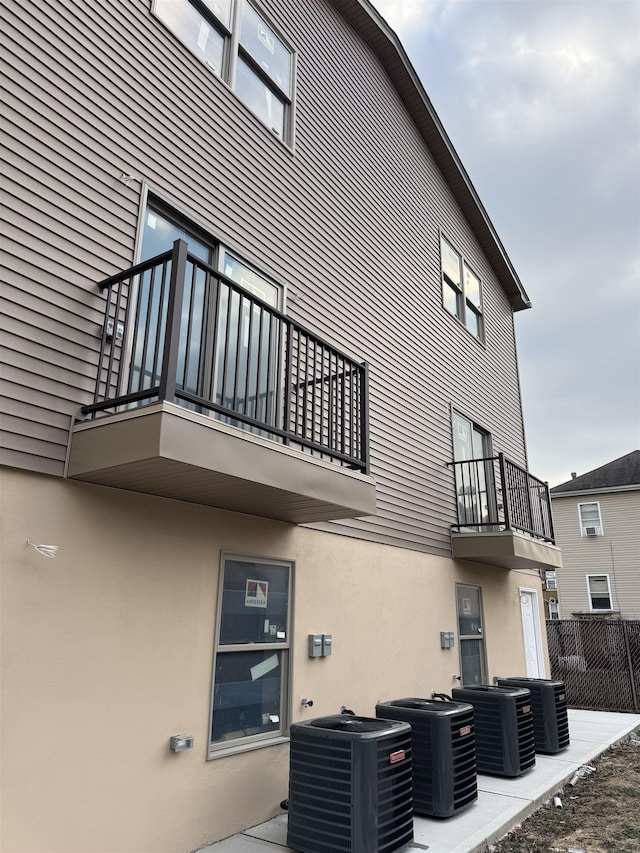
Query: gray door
x=471, y=634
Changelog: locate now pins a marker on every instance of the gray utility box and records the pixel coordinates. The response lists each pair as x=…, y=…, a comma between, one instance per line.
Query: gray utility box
x=549, y=706
x=504, y=728
x=350, y=785
x=443, y=747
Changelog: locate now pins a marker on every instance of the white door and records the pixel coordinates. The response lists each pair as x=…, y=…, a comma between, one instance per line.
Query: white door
x=531, y=633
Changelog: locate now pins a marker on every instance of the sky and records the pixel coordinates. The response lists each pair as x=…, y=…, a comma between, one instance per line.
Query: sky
x=541, y=99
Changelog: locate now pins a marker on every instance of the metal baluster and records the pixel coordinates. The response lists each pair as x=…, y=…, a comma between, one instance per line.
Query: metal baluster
x=172, y=336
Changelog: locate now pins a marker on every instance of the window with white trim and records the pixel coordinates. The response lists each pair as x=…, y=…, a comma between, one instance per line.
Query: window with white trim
x=461, y=290
x=250, y=701
x=590, y=519
x=238, y=45
x=550, y=580
x=554, y=611
x=599, y=591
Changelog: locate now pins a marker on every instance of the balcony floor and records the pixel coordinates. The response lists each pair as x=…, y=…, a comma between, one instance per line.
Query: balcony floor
x=166, y=450
x=508, y=549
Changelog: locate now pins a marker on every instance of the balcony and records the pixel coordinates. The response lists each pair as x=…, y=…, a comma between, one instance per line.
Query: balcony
x=504, y=516
x=205, y=393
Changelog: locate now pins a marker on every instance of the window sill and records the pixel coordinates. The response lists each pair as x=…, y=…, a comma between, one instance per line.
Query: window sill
x=223, y=752
x=481, y=341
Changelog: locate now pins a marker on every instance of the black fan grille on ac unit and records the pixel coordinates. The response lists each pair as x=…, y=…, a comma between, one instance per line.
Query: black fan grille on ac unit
x=465, y=783
x=562, y=717
x=395, y=805
x=322, y=781
x=526, y=739
x=489, y=735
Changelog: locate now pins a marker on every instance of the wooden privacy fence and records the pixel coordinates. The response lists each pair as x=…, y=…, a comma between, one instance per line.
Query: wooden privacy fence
x=598, y=660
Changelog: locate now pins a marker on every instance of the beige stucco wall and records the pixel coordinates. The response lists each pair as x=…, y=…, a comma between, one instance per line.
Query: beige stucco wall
x=107, y=651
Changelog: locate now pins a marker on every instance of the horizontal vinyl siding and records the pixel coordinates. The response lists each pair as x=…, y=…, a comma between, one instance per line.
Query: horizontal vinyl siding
x=349, y=221
x=616, y=553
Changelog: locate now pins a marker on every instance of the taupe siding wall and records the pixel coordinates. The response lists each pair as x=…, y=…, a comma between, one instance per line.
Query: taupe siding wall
x=349, y=221
x=616, y=553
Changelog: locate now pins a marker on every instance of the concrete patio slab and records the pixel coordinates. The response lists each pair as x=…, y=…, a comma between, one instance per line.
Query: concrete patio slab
x=502, y=803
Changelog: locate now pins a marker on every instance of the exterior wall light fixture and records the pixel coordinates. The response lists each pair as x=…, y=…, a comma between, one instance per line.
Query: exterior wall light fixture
x=178, y=743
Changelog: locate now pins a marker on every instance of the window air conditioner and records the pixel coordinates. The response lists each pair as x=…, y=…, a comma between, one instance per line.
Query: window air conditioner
x=592, y=531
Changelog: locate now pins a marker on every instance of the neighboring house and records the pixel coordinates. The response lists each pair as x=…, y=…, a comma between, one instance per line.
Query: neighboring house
x=597, y=523
x=550, y=594
x=262, y=428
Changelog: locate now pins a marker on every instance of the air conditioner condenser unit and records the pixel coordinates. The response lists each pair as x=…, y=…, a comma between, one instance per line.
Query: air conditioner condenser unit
x=350, y=785
x=504, y=728
x=443, y=747
x=549, y=708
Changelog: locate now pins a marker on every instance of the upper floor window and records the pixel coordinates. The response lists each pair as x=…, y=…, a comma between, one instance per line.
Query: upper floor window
x=238, y=44
x=228, y=348
x=550, y=580
x=473, y=468
x=590, y=519
x=599, y=592
x=461, y=290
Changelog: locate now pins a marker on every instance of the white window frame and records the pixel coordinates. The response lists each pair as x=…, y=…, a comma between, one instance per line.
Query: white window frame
x=554, y=610
x=550, y=580
x=590, y=594
x=585, y=528
x=465, y=307
x=284, y=647
x=234, y=51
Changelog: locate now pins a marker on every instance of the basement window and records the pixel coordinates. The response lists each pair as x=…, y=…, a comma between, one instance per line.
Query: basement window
x=250, y=704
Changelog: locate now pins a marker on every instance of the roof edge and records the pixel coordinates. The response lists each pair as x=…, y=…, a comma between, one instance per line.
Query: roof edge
x=602, y=490
x=384, y=42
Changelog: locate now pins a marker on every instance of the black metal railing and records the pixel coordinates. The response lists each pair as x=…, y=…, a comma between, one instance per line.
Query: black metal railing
x=178, y=330
x=494, y=493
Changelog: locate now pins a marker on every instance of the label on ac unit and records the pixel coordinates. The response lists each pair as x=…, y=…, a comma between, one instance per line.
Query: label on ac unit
x=526, y=709
x=465, y=730
x=562, y=697
x=395, y=757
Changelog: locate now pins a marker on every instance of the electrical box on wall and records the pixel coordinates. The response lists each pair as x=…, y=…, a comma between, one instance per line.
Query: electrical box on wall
x=315, y=645
x=327, y=642
x=447, y=640
x=320, y=645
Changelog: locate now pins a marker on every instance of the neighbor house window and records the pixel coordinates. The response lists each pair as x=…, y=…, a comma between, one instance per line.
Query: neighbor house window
x=251, y=672
x=590, y=519
x=554, y=612
x=241, y=47
x=461, y=290
x=599, y=592
x=550, y=580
